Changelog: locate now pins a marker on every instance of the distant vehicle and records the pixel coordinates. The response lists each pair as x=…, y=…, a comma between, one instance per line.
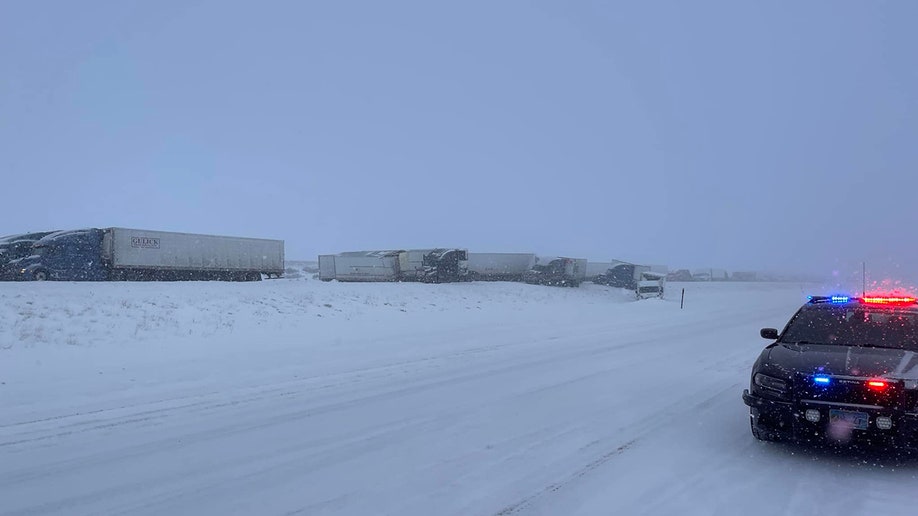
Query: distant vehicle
x=842, y=370
x=640, y=278
x=144, y=255
x=15, y=247
x=500, y=266
x=361, y=266
x=557, y=272
x=444, y=266
x=439, y=265
x=680, y=275
x=435, y=265
x=622, y=275
x=710, y=275
x=596, y=269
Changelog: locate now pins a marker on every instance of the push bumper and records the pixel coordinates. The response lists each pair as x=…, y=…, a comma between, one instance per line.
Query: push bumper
x=787, y=420
x=773, y=417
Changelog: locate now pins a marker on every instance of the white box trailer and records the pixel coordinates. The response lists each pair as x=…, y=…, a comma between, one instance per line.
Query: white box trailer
x=500, y=266
x=144, y=249
x=361, y=266
x=326, y=267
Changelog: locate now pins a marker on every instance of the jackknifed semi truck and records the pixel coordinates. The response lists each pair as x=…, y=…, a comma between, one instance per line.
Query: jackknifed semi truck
x=112, y=254
x=641, y=279
x=557, y=271
x=436, y=265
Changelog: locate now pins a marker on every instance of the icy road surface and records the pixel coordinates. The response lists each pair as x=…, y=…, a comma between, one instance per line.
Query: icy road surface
x=300, y=397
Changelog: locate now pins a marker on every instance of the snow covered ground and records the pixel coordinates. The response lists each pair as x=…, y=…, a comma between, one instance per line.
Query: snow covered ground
x=302, y=397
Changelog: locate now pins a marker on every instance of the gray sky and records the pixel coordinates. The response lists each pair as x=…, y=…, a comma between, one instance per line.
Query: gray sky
x=742, y=135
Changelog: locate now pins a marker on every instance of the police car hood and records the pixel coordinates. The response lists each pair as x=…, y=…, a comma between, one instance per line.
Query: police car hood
x=846, y=360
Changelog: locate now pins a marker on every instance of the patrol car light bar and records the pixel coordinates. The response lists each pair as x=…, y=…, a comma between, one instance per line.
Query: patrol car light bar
x=830, y=299
x=872, y=300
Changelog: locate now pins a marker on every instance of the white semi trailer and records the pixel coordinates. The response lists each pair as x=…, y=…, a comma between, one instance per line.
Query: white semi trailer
x=500, y=266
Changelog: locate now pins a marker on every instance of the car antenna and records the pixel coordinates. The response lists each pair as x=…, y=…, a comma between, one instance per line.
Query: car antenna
x=864, y=290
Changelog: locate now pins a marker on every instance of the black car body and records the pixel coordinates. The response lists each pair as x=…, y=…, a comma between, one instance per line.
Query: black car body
x=843, y=370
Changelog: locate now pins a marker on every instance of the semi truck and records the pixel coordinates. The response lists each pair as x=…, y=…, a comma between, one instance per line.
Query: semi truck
x=640, y=278
x=437, y=265
x=444, y=265
x=13, y=249
x=600, y=269
x=112, y=254
x=557, y=271
x=500, y=266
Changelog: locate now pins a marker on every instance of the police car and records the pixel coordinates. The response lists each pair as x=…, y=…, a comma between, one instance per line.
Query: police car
x=843, y=370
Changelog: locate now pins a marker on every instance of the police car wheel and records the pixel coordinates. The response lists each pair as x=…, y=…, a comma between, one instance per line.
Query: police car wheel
x=40, y=276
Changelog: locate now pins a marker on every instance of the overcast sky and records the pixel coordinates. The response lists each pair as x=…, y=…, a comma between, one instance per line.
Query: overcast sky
x=741, y=135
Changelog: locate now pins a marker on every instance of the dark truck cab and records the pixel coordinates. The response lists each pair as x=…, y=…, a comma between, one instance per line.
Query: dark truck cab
x=445, y=266
x=66, y=255
x=13, y=249
x=844, y=370
x=556, y=272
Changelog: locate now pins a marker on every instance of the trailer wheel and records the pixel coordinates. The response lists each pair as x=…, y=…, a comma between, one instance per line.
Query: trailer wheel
x=40, y=275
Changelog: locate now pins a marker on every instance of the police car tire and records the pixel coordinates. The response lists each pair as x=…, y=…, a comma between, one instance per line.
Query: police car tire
x=40, y=276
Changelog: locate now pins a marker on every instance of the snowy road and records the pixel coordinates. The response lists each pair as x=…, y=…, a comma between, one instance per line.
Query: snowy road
x=506, y=399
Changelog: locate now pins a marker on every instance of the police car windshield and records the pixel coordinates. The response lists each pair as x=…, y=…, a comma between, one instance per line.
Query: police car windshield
x=855, y=326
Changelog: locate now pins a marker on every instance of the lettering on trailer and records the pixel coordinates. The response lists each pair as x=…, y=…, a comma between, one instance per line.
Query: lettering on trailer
x=145, y=242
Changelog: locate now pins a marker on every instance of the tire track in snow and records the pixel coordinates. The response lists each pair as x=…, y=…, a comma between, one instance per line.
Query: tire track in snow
x=599, y=461
x=580, y=473
x=557, y=355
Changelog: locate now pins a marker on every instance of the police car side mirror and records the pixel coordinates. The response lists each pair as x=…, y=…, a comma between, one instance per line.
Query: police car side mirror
x=769, y=333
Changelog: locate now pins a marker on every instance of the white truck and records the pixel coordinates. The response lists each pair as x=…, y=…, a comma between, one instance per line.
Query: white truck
x=500, y=266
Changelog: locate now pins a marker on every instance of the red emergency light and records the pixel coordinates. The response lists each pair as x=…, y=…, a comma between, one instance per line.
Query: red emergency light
x=877, y=385
x=888, y=300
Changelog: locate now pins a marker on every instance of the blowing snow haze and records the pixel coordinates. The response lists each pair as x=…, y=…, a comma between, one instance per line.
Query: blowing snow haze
x=741, y=135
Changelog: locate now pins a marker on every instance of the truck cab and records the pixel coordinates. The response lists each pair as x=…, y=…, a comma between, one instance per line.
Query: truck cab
x=445, y=266
x=13, y=249
x=640, y=278
x=557, y=272
x=65, y=256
